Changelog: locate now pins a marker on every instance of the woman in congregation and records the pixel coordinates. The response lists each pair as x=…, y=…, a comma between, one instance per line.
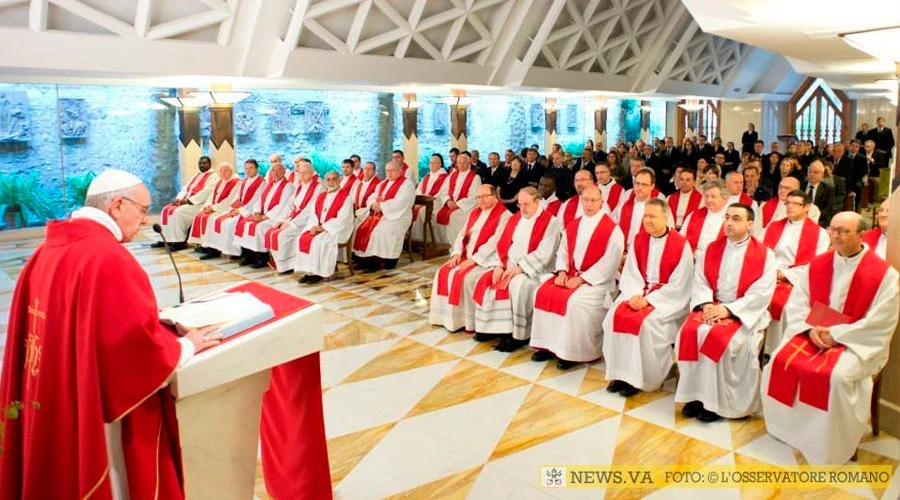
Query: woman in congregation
x=514, y=183
x=615, y=165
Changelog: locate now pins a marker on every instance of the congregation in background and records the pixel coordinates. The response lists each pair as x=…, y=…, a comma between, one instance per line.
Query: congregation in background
x=752, y=272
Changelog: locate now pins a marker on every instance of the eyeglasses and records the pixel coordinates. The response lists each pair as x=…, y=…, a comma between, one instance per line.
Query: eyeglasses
x=794, y=204
x=839, y=230
x=145, y=210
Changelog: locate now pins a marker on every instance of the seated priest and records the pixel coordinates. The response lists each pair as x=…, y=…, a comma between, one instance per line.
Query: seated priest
x=573, y=208
x=281, y=239
x=570, y=304
x=795, y=241
x=504, y=295
x=275, y=159
x=775, y=209
x=223, y=195
x=655, y=290
x=399, y=157
x=876, y=238
x=630, y=211
x=379, y=237
x=219, y=236
x=273, y=205
x=718, y=344
x=431, y=185
x=687, y=199
x=329, y=222
x=176, y=217
x=472, y=252
x=610, y=189
x=547, y=188
x=458, y=199
x=707, y=224
x=838, y=327
x=365, y=190
x=348, y=177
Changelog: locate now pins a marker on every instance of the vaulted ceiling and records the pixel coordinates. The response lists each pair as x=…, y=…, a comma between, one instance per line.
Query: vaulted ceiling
x=604, y=46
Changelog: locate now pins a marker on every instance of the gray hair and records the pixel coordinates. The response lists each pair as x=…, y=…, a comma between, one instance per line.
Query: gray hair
x=656, y=202
x=102, y=201
x=531, y=191
x=715, y=184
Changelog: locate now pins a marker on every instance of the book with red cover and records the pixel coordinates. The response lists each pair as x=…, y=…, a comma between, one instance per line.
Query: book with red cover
x=824, y=316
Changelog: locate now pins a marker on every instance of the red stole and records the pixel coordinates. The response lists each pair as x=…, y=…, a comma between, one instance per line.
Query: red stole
x=351, y=181
x=871, y=238
x=307, y=237
x=806, y=250
x=571, y=210
x=361, y=196
x=198, y=227
x=628, y=320
x=503, y=245
x=454, y=291
x=745, y=199
x=695, y=227
x=195, y=186
x=247, y=192
x=614, y=195
x=271, y=236
x=721, y=333
x=429, y=188
x=553, y=207
x=768, y=211
x=555, y=299
x=625, y=217
x=800, y=362
x=364, y=231
x=273, y=202
x=360, y=174
x=693, y=204
x=443, y=215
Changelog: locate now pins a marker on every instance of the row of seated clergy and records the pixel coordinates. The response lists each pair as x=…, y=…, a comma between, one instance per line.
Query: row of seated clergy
x=717, y=327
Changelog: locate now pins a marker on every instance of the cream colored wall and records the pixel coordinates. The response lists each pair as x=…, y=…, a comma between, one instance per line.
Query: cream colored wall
x=735, y=116
x=868, y=110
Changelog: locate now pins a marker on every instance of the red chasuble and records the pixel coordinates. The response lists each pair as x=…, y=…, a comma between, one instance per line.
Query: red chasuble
x=453, y=290
x=628, y=320
x=198, y=227
x=768, y=211
x=85, y=343
x=335, y=208
x=806, y=250
x=555, y=299
x=693, y=204
x=722, y=332
x=501, y=289
x=695, y=227
x=800, y=363
x=271, y=236
x=365, y=228
x=351, y=182
x=195, y=186
x=443, y=215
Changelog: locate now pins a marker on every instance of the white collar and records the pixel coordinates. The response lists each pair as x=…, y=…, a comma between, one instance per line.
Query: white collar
x=738, y=244
x=100, y=217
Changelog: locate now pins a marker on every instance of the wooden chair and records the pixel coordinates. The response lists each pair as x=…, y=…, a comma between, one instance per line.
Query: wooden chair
x=347, y=246
x=874, y=408
x=427, y=202
x=849, y=202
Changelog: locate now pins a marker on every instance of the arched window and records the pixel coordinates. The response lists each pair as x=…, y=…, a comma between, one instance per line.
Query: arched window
x=698, y=117
x=817, y=112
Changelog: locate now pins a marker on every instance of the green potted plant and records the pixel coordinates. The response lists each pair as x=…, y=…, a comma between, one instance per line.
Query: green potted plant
x=22, y=197
x=76, y=188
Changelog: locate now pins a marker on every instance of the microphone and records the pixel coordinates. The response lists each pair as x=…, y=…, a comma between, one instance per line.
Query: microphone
x=158, y=230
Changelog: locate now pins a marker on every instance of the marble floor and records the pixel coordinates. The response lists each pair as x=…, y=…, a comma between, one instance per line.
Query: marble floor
x=413, y=411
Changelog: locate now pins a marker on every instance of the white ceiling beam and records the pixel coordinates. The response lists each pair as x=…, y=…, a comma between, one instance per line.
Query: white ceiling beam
x=362, y=11
x=219, y=5
x=415, y=15
x=497, y=30
x=427, y=46
x=326, y=36
x=540, y=39
x=37, y=15
x=186, y=24
x=97, y=17
x=452, y=36
x=328, y=6
x=7, y=3
x=646, y=79
x=295, y=27
x=392, y=14
x=143, y=17
x=380, y=40
x=224, y=36
x=280, y=50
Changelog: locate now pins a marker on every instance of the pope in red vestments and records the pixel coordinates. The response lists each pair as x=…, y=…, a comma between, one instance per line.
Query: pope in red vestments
x=90, y=373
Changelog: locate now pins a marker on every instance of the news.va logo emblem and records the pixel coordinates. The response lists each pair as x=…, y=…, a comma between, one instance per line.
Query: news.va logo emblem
x=553, y=477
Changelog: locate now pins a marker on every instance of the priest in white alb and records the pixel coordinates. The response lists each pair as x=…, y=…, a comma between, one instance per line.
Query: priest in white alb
x=504, y=294
x=329, y=223
x=364, y=190
x=549, y=201
x=458, y=199
x=570, y=304
x=573, y=207
x=273, y=205
x=281, y=238
x=876, y=238
x=379, y=237
x=718, y=344
x=611, y=190
x=706, y=224
x=473, y=250
x=223, y=195
x=795, y=240
x=176, y=217
x=349, y=179
x=774, y=209
x=432, y=186
x=687, y=199
x=655, y=289
x=630, y=212
x=839, y=323
x=219, y=236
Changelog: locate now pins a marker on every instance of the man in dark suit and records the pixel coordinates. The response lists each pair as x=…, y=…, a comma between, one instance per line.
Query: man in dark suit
x=732, y=157
x=532, y=169
x=586, y=162
x=565, y=177
x=859, y=169
x=884, y=139
x=862, y=135
x=477, y=164
x=667, y=157
x=705, y=149
x=493, y=173
x=820, y=193
x=821, y=150
x=599, y=153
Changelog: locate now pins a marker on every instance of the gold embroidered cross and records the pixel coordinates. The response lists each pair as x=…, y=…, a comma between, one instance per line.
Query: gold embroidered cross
x=32, y=341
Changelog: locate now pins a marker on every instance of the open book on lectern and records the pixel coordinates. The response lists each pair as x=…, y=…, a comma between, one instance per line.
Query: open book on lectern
x=231, y=312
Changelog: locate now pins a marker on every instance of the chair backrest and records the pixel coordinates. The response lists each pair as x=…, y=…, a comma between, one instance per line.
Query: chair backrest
x=427, y=202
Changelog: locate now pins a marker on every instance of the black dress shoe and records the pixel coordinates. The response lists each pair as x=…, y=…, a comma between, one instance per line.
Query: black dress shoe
x=504, y=339
x=483, y=337
x=202, y=249
x=305, y=279
x=158, y=244
x=708, y=416
x=513, y=344
x=246, y=261
x=177, y=247
x=211, y=253
x=692, y=409
x=615, y=386
x=313, y=279
x=542, y=355
x=565, y=365
x=258, y=264
x=628, y=390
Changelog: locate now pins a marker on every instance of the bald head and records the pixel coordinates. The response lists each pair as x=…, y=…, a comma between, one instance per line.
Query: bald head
x=787, y=185
x=583, y=179
x=846, y=230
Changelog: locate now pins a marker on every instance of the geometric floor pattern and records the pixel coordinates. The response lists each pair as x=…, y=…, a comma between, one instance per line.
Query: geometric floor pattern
x=412, y=411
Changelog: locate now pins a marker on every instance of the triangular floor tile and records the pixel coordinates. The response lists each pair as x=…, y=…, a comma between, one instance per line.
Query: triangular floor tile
x=491, y=358
x=404, y=329
x=660, y=412
x=594, y=379
x=453, y=486
x=429, y=337
x=529, y=371
x=769, y=450
x=339, y=363
x=461, y=349
x=567, y=383
x=717, y=433
x=606, y=399
x=467, y=381
x=746, y=430
x=404, y=355
x=355, y=333
x=346, y=451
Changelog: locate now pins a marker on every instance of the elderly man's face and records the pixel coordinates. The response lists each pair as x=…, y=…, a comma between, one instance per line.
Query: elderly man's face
x=277, y=171
x=654, y=220
x=527, y=204
x=494, y=160
x=816, y=173
x=591, y=201
x=306, y=172
x=225, y=171
x=844, y=234
x=786, y=186
x=131, y=213
x=434, y=164
x=332, y=181
x=369, y=171
x=735, y=184
x=392, y=171
x=714, y=199
x=463, y=163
